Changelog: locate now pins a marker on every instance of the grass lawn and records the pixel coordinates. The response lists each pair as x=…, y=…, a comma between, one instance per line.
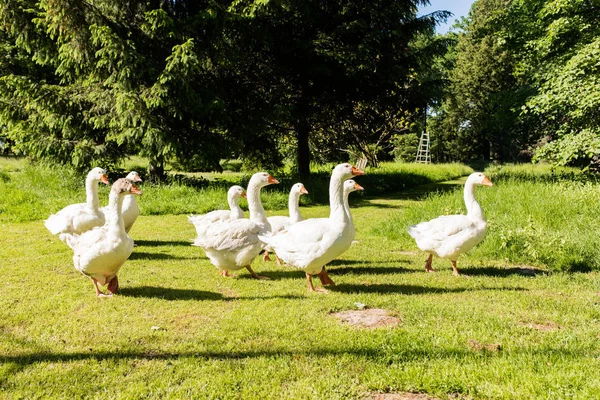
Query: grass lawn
x=505, y=329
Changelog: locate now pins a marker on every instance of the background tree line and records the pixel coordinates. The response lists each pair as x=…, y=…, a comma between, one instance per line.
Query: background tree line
x=523, y=83
x=87, y=82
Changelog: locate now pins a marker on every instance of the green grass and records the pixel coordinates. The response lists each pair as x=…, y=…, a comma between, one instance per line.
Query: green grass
x=179, y=330
x=29, y=192
x=536, y=216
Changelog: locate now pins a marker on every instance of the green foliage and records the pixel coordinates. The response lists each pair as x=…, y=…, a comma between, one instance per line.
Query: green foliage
x=480, y=116
x=231, y=165
x=523, y=72
x=405, y=147
x=568, y=97
x=580, y=149
x=192, y=83
x=104, y=88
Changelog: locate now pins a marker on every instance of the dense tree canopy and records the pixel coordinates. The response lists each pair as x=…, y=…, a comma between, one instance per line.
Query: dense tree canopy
x=524, y=82
x=92, y=81
x=87, y=82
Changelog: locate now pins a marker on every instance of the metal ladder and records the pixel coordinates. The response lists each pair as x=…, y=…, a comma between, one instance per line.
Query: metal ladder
x=423, y=155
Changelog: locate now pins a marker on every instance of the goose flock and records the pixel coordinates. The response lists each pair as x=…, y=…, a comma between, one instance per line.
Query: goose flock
x=99, y=236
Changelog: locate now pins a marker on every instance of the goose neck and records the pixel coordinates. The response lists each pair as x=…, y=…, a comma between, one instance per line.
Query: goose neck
x=234, y=206
x=91, y=193
x=293, y=207
x=255, y=207
x=113, y=214
x=474, y=210
x=347, y=206
x=336, y=199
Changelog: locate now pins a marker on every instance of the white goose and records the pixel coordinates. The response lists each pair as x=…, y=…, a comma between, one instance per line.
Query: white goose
x=100, y=252
x=131, y=210
x=449, y=236
x=281, y=222
x=233, y=245
x=81, y=217
x=312, y=243
x=202, y=222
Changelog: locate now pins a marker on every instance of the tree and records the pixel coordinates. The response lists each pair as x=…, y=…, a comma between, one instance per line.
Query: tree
x=491, y=79
x=567, y=49
x=479, y=108
x=331, y=64
x=198, y=81
x=111, y=78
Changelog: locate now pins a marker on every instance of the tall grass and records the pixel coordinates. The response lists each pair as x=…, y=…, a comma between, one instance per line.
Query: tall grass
x=29, y=192
x=536, y=215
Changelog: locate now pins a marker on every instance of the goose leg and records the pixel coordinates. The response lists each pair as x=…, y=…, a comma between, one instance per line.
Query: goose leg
x=98, y=292
x=113, y=285
x=226, y=273
x=428, y=264
x=266, y=256
x=255, y=275
x=325, y=279
x=454, y=270
x=309, y=283
x=279, y=263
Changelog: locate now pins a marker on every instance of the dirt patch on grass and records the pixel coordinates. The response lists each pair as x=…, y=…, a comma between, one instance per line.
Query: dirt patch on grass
x=367, y=318
x=400, y=396
x=491, y=347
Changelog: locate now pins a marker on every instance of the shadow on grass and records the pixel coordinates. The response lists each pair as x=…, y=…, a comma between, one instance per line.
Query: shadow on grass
x=142, y=255
x=501, y=272
x=416, y=193
x=157, y=243
x=333, y=263
x=169, y=293
x=375, y=270
x=275, y=296
x=274, y=275
x=387, y=288
x=20, y=361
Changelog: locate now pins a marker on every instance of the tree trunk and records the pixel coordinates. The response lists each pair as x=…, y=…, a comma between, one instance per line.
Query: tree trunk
x=486, y=150
x=156, y=170
x=303, y=151
x=302, y=133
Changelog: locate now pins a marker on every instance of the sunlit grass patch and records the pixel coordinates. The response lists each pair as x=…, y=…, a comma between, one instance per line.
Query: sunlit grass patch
x=179, y=330
x=536, y=217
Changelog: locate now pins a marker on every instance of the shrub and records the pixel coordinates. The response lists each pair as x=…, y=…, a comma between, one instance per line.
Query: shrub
x=405, y=147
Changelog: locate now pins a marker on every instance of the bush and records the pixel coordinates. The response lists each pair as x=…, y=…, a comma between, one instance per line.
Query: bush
x=405, y=147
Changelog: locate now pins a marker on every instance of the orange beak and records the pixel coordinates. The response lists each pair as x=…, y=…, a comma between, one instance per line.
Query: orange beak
x=137, y=179
x=486, y=182
x=244, y=194
x=303, y=190
x=356, y=171
x=135, y=190
x=271, y=180
x=358, y=187
x=104, y=179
